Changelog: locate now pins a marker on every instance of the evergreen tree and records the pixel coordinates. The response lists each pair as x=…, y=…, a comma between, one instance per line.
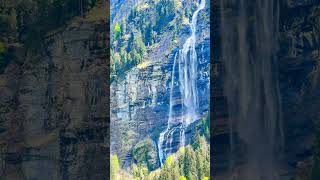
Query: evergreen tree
x=130, y=42
x=139, y=45
x=196, y=143
x=148, y=35
x=190, y=165
x=175, y=171
x=140, y=172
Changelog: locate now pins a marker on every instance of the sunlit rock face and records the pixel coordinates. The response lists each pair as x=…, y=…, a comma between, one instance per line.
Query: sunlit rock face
x=140, y=100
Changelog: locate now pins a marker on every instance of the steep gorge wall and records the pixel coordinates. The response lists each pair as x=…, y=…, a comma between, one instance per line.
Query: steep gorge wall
x=54, y=109
x=299, y=79
x=298, y=62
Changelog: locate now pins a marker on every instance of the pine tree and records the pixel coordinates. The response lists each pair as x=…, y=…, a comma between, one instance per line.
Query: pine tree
x=130, y=42
x=196, y=143
x=203, y=158
x=190, y=165
x=181, y=159
x=140, y=172
x=148, y=35
x=175, y=171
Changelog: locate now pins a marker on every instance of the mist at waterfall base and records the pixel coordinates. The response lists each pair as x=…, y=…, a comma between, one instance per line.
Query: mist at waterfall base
x=249, y=31
x=183, y=80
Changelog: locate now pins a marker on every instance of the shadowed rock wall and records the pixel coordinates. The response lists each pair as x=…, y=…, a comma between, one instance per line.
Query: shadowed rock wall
x=54, y=107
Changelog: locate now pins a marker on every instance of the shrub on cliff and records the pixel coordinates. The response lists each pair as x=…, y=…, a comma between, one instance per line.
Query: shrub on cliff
x=145, y=153
x=117, y=30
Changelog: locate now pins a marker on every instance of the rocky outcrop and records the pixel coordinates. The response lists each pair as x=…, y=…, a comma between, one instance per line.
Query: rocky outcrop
x=54, y=107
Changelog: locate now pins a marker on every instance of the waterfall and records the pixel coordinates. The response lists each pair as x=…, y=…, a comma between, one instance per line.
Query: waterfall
x=249, y=32
x=162, y=134
x=187, y=77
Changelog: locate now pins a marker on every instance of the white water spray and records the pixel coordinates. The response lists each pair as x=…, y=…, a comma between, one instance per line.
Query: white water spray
x=187, y=73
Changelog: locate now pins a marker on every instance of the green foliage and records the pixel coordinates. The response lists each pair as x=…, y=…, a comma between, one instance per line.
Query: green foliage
x=188, y=163
x=140, y=172
x=30, y=20
x=169, y=161
x=144, y=154
x=165, y=13
x=196, y=143
x=202, y=156
x=148, y=40
x=145, y=23
x=114, y=167
x=204, y=127
x=131, y=54
x=117, y=30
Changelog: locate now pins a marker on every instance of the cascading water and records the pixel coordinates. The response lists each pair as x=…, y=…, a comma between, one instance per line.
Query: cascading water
x=249, y=31
x=187, y=77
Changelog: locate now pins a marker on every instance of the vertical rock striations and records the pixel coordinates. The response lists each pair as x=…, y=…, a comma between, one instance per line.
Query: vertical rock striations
x=249, y=45
x=54, y=107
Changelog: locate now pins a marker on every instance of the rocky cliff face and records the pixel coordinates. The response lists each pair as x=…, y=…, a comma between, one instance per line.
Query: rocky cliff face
x=140, y=100
x=299, y=72
x=53, y=107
